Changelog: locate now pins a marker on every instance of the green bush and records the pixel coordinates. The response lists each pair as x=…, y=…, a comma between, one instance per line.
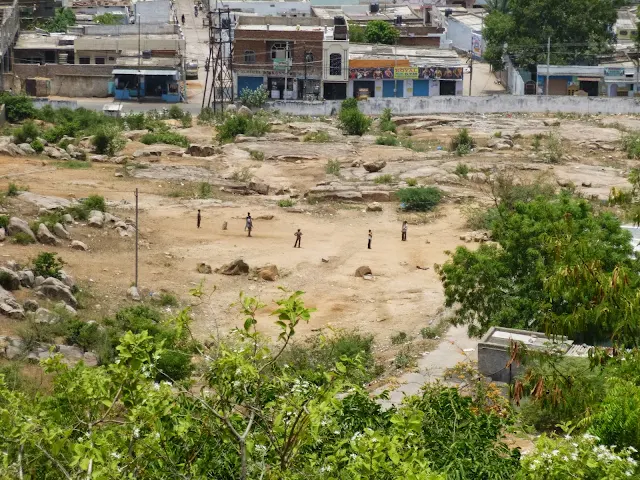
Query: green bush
x=399, y=338
x=497, y=134
x=22, y=238
x=387, y=139
x=403, y=358
x=232, y=126
x=351, y=120
x=13, y=190
x=462, y=170
x=207, y=116
x=462, y=143
x=254, y=98
x=37, y=145
x=419, y=199
x=555, y=150
x=168, y=300
x=204, y=190
x=47, y=264
x=50, y=219
x=28, y=132
x=4, y=221
x=175, y=112
x=333, y=167
x=170, y=138
x=631, y=144
x=95, y=202
x=135, y=121
x=257, y=126
x=386, y=125
x=108, y=140
x=384, y=179
x=412, y=182
x=85, y=335
x=256, y=155
x=286, y=203
x=186, y=120
x=17, y=107
x=429, y=332
x=108, y=18
x=317, y=137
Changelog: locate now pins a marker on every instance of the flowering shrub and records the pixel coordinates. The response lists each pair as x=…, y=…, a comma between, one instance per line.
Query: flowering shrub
x=579, y=457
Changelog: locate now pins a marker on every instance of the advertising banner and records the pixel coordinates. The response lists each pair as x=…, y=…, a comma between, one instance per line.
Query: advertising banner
x=404, y=73
x=476, y=45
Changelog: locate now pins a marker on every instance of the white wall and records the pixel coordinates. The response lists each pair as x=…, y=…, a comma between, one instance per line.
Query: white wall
x=460, y=34
x=342, y=48
x=262, y=7
x=485, y=104
x=153, y=12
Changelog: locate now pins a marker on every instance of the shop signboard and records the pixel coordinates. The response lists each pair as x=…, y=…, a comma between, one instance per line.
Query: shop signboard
x=405, y=73
x=613, y=72
x=402, y=73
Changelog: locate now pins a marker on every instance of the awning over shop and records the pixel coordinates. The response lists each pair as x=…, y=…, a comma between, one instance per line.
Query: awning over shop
x=589, y=79
x=150, y=73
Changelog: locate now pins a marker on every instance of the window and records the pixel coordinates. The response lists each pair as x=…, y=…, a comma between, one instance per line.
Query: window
x=100, y=61
x=112, y=59
x=624, y=33
x=85, y=60
x=280, y=51
x=335, y=64
x=249, y=56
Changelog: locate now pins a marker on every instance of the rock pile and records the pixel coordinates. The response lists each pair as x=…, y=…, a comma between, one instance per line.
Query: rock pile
x=237, y=267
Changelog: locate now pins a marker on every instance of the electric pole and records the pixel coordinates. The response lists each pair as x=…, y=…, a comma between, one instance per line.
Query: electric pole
x=137, y=229
x=470, y=71
x=546, y=88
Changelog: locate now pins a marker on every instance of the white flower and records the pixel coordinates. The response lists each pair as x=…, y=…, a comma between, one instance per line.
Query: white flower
x=631, y=461
x=115, y=454
x=336, y=432
x=156, y=386
x=555, y=452
x=628, y=473
x=136, y=432
x=353, y=456
x=565, y=458
x=632, y=450
x=326, y=468
x=567, y=437
x=374, y=440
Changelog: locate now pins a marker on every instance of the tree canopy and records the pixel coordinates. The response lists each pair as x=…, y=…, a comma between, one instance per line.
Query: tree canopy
x=557, y=266
x=579, y=30
x=63, y=19
x=376, y=31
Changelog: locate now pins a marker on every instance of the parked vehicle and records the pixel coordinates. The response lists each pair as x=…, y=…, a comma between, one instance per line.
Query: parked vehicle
x=191, y=69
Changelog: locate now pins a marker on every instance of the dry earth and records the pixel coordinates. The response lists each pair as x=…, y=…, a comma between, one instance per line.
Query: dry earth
x=400, y=298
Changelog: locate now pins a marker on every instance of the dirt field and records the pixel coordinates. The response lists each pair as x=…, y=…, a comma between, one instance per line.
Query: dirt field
x=400, y=298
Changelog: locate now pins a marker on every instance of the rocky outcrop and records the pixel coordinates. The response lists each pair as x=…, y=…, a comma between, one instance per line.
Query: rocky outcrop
x=9, y=280
x=96, y=219
x=18, y=225
x=11, y=347
x=133, y=293
x=61, y=232
x=27, y=278
x=259, y=187
x=43, y=315
x=68, y=219
x=374, y=207
x=45, y=202
x=237, y=267
x=362, y=271
x=78, y=245
x=9, y=306
x=158, y=151
x=30, y=305
x=26, y=148
x=198, y=150
x=376, y=166
x=204, y=268
x=244, y=111
x=268, y=272
x=11, y=150
x=54, y=289
x=45, y=236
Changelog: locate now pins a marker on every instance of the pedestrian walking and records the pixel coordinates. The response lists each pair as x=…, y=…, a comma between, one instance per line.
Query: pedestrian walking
x=370, y=238
x=199, y=218
x=404, y=231
x=183, y=19
x=249, y=224
x=298, y=236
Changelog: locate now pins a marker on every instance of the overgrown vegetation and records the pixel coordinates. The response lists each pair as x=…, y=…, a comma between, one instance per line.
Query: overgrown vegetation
x=256, y=155
x=170, y=138
x=462, y=143
x=254, y=97
x=317, y=137
x=385, y=179
x=631, y=144
x=386, y=124
x=462, y=170
x=419, y=199
x=109, y=18
x=387, y=139
x=47, y=264
x=286, y=203
x=235, y=125
x=351, y=120
x=333, y=167
x=108, y=140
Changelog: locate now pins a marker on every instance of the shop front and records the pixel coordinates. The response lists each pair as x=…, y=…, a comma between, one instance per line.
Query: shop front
x=159, y=85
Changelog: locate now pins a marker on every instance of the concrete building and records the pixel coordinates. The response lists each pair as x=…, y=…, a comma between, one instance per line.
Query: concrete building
x=152, y=12
x=392, y=71
x=277, y=8
x=284, y=55
x=99, y=7
x=494, y=351
x=613, y=80
x=463, y=28
x=9, y=28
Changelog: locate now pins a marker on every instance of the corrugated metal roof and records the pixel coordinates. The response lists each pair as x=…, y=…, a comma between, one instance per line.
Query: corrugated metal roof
x=124, y=71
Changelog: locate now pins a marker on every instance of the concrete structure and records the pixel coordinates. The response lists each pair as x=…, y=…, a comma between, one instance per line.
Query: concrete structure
x=152, y=12
x=392, y=71
x=9, y=27
x=615, y=80
x=277, y=8
x=99, y=7
x=626, y=25
x=285, y=55
x=494, y=351
x=463, y=28
x=472, y=105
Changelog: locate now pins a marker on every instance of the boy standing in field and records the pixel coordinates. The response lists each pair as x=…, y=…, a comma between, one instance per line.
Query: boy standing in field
x=404, y=231
x=199, y=218
x=370, y=238
x=298, y=236
x=249, y=225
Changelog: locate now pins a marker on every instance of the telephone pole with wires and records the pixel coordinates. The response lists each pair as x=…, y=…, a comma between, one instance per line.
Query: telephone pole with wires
x=220, y=61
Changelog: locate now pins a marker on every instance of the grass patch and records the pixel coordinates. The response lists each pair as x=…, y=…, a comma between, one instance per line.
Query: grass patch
x=462, y=143
x=167, y=299
x=285, y=203
x=388, y=140
x=256, y=155
x=242, y=175
x=235, y=125
x=333, y=167
x=74, y=164
x=399, y=338
x=4, y=221
x=385, y=179
x=386, y=124
x=22, y=238
x=13, y=190
x=419, y=199
x=169, y=138
x=412, y=182
x=317, y=137
x=462, y=170
x=204, y=190
x=555, y=149
x=631, y=145
x=403, y=358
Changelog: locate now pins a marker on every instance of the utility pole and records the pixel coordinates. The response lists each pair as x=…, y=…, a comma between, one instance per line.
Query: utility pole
x=136, y=282
x=470, y=71
x=546, y=88
x=139, y=63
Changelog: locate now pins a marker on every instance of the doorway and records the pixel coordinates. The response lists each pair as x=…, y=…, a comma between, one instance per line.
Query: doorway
x=447, y=87
x=589, y=86
x=364, y=85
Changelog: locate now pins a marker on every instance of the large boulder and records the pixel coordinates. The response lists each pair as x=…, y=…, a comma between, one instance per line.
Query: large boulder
x=27, y=278
x=61, y=232
x=237, y=267
x=196, y=150
x=204, y=268
x=374, y=207
x=96, y=218
x=9, y=280
x=67, y=279
x=2, y=234
x=133, y=293
x=31, y=305
x=362, y=271
x=55, y=153
x=67, y=218
x=45, y=236
x=43, y=315
x=45, y=202
x=17, y=225
x=11, y=347
x=259, y=187
x=11, y=150
x=376, y=196
x=268, y=272
x=376, y=166
x=245, y=111
x=54, y=289
x=231, y=108
x=26, y=148
x=9, y=306
x=78, y=245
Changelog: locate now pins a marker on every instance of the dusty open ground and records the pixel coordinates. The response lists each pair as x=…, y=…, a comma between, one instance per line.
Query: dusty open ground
x=400, y=298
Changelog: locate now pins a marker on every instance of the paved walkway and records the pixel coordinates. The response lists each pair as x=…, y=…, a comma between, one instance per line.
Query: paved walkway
x=432, y=365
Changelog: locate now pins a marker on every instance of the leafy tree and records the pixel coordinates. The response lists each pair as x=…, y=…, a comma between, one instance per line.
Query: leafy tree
x=62, y=19
x=419, y=199
x=351, y=120
x=559, y=267
x=254, y=97
x=108, y=19
x=47, y=264
x=356, y=33
x=17, y=107
x=379, y=31
x=578, y=29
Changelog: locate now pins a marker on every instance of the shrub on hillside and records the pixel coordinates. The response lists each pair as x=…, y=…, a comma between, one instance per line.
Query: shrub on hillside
x=95, y=202
x=351, y=120
x=462, y=143
x=108, y=140
x=17, y=107
x=28, y=132
x=37, y=145
x=386, y=125
x=170, y=138
x=235, y=125
x=419, y=199
x=47, y=264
